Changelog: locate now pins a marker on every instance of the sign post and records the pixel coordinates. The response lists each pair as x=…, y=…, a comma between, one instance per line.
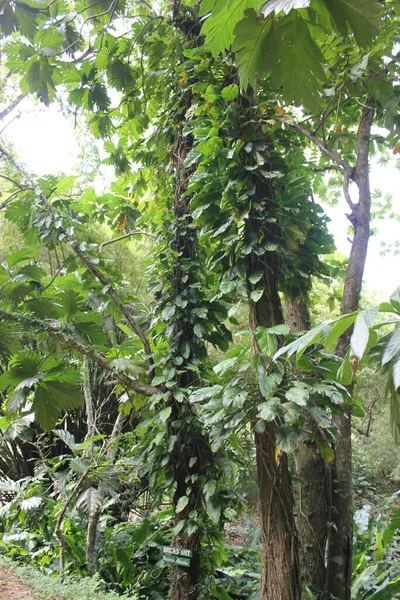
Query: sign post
x=177, y=556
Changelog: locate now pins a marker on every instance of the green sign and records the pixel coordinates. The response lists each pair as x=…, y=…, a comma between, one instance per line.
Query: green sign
x=177, y=556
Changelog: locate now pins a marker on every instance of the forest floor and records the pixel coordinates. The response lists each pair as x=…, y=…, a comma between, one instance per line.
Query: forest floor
x=13, y=588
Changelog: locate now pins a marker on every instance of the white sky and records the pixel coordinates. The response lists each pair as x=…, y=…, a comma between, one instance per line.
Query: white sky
x=46, y=142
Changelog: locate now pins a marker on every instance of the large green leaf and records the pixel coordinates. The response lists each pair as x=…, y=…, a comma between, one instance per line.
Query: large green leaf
x=362, y=16
x=269, y=410
x=71, y=301
x=31, y=503
x=392, y=347
x=298, y=394
x=51, y=399
x=25, y=254
x=359, y=339
x=387, y=591
x=250, y=44
x=269, y=383
x=181, y=504
x=338, y=329
x=89, y=500
x=287, y=437
x=295, y=62
x=219, y=27
x=66, y=437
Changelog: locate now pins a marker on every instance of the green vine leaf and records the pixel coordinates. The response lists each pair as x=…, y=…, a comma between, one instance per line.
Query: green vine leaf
x=269, y=410
x=181, y=504
x=287, y=437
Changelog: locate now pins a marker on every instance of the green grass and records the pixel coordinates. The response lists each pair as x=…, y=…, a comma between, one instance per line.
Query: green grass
x=52, y=588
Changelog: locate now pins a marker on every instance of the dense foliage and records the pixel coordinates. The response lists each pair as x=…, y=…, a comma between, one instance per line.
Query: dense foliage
x=129, y=408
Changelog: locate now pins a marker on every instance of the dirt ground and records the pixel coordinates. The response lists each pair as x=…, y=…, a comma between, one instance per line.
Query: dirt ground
x=12, y=588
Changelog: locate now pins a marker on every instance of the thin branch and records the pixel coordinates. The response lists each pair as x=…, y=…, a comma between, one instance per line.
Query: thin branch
x=4, y=113
x=86, y=53
x=346, y=185
x=328, y=168
x=86, y=259
x=17, y=116
x=11, y=196
x=111, y=383
x=109, y=11
x=87, y=393
x=54, y=277
x=65, y=336
x=9, y=178
x=362, y=104
x=332, y=155
x=123, y=237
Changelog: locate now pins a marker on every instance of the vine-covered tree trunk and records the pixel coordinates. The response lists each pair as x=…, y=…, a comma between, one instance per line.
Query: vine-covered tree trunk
x=280, y=566
x=192, y=448
x=313, y=505
x=341, y=532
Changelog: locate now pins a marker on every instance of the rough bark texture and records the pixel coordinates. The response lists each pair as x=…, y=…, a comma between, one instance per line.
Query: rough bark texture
x=313, y=508
x=280, y=566
x=297, y=316
x=341, y=533
x=91, y=539
x=313, y=512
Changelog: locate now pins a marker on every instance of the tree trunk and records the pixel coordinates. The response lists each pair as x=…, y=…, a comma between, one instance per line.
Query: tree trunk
x=341, y=532
x=192, y=441
x=313, y=512
x=313, y=508
x=94, y=515
x=91, y=541
x=280, y=566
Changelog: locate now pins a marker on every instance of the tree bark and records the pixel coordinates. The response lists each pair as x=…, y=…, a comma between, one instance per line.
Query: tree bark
x=280, y=565
x=341, y=532
x=313, y=506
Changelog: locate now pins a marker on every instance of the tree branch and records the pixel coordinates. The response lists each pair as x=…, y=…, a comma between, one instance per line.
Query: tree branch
x=83, y=256
x=4, y=113
x=66, y=337
x=122, y=237
x=346, y=191
x=332, y=155
x=328, y=168
x=11, y=196
x=363, y=136
x=9, y=178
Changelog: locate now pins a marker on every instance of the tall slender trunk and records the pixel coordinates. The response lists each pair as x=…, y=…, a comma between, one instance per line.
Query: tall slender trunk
x=95, y=513
x=192, y=454
x=313, y=507
x=341, y=532
x=191, y=443
x=280, y=566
